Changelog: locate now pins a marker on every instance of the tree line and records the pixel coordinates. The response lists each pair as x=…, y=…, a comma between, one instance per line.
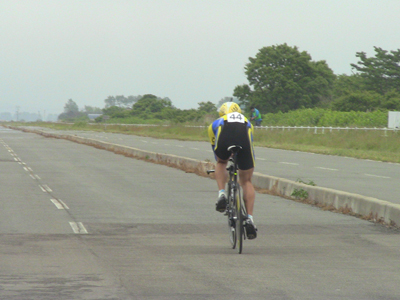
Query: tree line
x=280, y=79
x=133, y=109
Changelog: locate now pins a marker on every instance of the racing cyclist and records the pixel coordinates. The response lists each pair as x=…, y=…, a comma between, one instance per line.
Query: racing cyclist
x=233, y=128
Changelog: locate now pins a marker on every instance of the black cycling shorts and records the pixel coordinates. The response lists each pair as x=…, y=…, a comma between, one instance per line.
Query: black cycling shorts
x=236, y=134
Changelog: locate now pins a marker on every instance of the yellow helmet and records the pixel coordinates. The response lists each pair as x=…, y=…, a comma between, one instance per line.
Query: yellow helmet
x=229, y=107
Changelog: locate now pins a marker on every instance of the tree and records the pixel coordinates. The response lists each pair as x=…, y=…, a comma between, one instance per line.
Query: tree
x=71, y=112
x=121, y=101
x=357, y=101
x=380, y=73
x=110, y=101
x=150, y=104
x=345, y=84
x=207, y=107
x=281, y=78
x=71, y=106
x=92, y=110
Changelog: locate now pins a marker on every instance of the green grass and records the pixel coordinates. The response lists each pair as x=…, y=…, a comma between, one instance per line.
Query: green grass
x=365, y=144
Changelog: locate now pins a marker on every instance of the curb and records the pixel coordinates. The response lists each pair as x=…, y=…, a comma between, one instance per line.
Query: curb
x=362, y=206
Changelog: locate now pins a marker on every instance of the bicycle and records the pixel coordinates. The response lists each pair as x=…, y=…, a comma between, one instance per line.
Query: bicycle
x=235, y=209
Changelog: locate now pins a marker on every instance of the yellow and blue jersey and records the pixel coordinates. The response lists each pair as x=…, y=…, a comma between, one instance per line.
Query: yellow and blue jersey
x=215, y=127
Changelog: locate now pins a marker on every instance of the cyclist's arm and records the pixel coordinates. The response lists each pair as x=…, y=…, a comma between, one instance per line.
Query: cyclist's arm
x=211, y=136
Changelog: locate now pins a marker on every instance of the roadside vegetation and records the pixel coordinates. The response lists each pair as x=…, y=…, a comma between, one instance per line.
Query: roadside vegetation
x=289, y=89
x=365, y=144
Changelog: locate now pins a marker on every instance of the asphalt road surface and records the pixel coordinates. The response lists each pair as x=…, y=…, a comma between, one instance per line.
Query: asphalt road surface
x=77, y=222
x=368, y=178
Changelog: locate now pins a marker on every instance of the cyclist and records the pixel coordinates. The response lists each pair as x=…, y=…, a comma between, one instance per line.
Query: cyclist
x=255, y=115
x=233, y=128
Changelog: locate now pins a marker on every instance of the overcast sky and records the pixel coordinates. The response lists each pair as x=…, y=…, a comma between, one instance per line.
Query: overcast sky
x=188, y=50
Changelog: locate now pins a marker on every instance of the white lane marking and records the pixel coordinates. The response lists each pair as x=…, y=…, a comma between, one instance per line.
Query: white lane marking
x=26, y=169
x=59, y=204
x=328, y=169
x=260, y=158
x=377, y=176
x=32, y=176
x=180, y=146
x=210, y=151
x=194, y=148
x=288, y=163
x=37, y=176
x=15, y=159
x=144, y=141
x=45, y=188
x=78, y=228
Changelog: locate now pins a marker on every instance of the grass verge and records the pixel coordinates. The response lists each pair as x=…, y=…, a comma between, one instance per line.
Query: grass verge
x=363, y=144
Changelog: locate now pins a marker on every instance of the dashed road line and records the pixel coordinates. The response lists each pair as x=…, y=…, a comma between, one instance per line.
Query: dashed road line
x=289, y=163
x=78, y=228
x=377, y=176
x=59, y=204
x=328, y=169
x=45, y=188
x=34, y=176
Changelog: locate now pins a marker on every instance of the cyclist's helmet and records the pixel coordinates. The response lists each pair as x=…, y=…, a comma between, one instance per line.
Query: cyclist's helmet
x=229, y=107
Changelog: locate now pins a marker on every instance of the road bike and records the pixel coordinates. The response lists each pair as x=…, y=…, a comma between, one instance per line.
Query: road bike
x=235, y=209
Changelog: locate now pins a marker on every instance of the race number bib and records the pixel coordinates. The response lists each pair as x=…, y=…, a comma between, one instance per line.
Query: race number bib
x=235, y=117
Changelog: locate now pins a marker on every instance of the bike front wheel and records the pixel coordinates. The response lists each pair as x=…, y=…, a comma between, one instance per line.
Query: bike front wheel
x=232, y=228
x=239, y=220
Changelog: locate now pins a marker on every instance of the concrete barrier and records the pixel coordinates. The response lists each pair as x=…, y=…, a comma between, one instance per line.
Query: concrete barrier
x=361, y=206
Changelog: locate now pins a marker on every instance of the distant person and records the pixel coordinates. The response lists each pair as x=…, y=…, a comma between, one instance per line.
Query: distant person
x=233, y=128
x=256, y=116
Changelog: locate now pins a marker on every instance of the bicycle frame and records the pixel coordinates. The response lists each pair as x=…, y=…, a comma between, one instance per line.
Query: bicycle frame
x=235, y=210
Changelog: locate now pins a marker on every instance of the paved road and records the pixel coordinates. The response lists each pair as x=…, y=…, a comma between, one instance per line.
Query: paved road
x=369, y=178
x=81, y=223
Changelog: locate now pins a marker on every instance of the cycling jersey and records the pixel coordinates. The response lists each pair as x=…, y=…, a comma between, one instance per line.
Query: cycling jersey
x=233, y=129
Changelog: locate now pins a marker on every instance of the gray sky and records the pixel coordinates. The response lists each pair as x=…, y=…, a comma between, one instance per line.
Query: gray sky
x=188, y=50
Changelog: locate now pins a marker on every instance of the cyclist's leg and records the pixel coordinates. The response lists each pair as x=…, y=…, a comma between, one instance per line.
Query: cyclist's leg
x=221, y=174
x=248, y=189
